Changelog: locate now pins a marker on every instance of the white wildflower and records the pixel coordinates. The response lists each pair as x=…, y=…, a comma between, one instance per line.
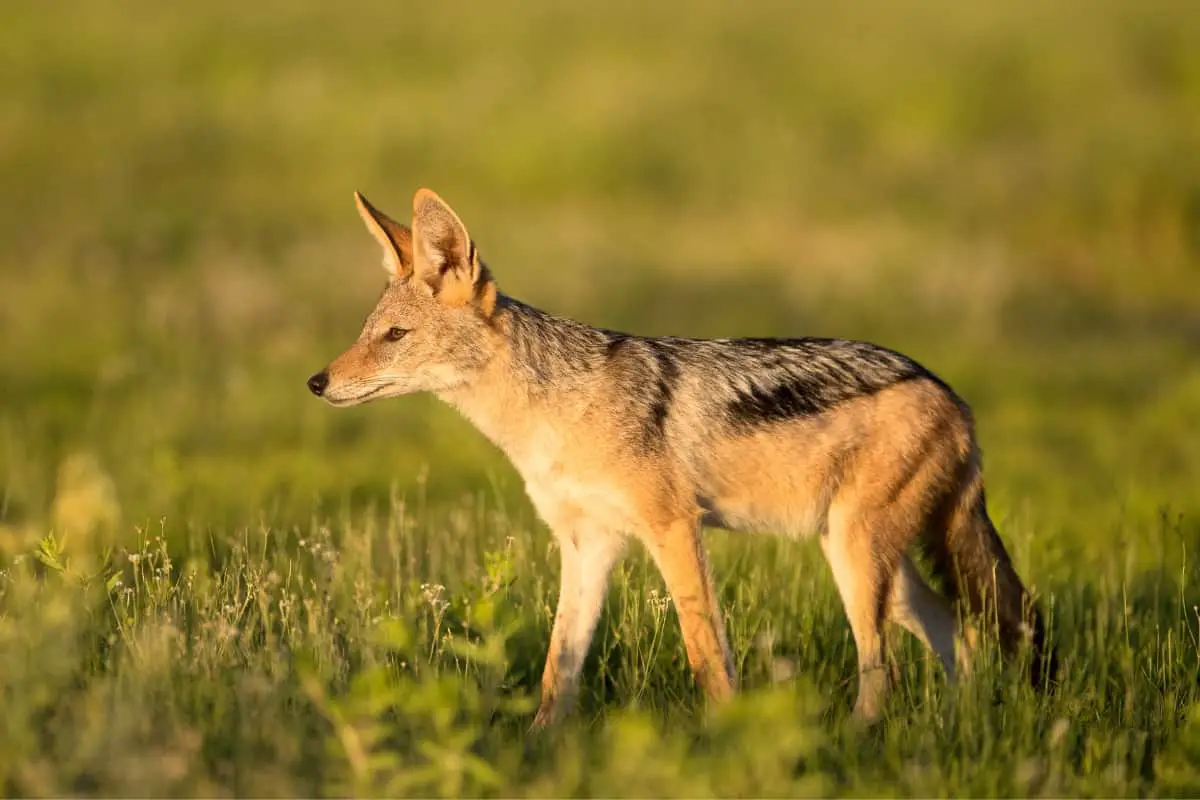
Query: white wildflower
x=659, y=603
x=434, y=595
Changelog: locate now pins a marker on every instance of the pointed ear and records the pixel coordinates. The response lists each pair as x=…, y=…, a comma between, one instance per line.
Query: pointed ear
x=445, y=256
x=394, y=238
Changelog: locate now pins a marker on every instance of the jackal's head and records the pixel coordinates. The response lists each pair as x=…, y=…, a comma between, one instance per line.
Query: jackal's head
x=431, y=329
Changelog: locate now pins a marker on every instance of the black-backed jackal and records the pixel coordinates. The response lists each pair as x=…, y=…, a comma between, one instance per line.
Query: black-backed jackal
x=618, y=435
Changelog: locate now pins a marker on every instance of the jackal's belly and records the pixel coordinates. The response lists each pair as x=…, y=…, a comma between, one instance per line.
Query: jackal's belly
x=765, y=487
x=789, y=516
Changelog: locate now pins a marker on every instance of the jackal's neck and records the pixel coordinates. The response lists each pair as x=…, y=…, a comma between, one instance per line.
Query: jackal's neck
x=542, y=361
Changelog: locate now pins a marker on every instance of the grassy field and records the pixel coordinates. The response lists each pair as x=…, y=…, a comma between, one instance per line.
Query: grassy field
x=212, y=584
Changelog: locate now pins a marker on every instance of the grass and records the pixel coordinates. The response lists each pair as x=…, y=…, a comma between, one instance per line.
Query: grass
x=212, y=584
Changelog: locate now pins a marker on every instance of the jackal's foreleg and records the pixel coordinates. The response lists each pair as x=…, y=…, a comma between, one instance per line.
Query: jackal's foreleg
x=679, y=554
x=588, y=555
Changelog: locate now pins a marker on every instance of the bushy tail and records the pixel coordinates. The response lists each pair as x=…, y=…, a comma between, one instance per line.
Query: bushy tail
x=970, y=559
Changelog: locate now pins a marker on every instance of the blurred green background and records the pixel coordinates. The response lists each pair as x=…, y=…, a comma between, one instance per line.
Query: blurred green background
x=1008, y=192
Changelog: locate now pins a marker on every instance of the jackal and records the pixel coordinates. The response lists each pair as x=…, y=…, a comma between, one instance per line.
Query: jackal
x=617, y=435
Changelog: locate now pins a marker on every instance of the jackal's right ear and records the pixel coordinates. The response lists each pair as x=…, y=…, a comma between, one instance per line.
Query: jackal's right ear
x=394, y=238
x=445, y=255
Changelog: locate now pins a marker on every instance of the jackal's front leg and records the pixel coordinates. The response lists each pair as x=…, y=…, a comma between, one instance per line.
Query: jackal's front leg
x=588, y=555
x=679, y=554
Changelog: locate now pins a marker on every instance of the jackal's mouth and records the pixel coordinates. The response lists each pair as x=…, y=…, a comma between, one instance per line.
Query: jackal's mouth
x=356, y=399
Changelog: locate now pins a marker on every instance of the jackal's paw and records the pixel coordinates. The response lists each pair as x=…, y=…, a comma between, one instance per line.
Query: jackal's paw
x=542, y=721
x=866, y=715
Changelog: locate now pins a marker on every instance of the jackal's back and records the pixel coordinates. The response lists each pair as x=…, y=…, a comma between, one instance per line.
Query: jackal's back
x=744, y=384
x=752, y=381
x=738, y=384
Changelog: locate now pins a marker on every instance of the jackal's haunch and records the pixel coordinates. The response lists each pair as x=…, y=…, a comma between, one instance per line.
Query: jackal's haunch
x=618, y=435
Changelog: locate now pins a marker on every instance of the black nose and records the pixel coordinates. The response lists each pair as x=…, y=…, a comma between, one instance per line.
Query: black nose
x=318, y=382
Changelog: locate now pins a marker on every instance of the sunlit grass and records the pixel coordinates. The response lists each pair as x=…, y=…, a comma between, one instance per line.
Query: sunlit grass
x=390, y=652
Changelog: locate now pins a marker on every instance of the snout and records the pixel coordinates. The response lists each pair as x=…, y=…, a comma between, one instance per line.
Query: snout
x=318, y=383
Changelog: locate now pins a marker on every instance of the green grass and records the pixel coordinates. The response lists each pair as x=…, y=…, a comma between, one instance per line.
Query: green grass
x=210, y=583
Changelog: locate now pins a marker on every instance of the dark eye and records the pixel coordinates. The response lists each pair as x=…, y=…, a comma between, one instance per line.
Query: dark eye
x=395, y=334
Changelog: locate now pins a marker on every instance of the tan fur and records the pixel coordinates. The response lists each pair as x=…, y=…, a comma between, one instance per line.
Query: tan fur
x=617, y=437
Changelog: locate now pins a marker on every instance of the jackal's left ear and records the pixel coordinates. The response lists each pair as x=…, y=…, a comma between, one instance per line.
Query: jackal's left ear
x=445, y=256
x=394, y=238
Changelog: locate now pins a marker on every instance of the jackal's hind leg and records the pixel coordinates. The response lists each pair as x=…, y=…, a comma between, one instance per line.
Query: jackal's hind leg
x=863, y=574
x=916, y=607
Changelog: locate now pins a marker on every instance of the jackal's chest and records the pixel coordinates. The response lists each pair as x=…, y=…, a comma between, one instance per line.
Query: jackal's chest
x=565, y=486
